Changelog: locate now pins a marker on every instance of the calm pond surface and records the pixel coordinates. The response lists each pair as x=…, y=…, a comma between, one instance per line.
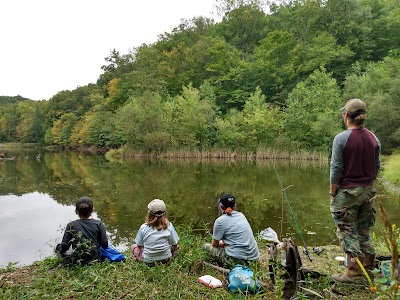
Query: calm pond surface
x=37, y=197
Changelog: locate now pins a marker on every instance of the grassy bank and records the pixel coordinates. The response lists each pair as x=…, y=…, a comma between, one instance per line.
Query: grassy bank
x=391, y=173
x=131, y=280
x=259, y=154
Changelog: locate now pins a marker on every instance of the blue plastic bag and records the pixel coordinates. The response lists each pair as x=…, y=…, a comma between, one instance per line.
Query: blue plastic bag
x=112, y=254
x=242, y=279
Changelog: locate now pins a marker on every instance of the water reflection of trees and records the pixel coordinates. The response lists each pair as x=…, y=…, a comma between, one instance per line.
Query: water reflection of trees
x=122, y=189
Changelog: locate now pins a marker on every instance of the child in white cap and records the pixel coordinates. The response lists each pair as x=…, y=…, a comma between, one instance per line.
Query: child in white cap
x=156, y=240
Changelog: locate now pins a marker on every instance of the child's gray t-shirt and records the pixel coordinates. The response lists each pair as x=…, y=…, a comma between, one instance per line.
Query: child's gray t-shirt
x=157, y=243
x=237, y=235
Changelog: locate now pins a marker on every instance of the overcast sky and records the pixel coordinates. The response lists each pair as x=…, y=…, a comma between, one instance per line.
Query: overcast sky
x=47, y=46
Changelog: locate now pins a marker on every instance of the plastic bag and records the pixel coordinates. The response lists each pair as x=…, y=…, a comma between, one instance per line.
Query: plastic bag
x=210, y=281
x=112, y=254
x=242, y=279
x=270, y=235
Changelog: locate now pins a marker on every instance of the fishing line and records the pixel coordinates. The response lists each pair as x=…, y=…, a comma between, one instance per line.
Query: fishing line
x=284, y=196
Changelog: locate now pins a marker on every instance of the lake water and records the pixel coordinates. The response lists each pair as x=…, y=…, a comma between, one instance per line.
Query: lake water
x=37, y=197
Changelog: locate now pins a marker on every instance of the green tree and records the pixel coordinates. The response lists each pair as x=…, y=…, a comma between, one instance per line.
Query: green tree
x=25, y=111
x=146, y=73
x=261, y=123
x=221, y=65
x=243, y=27
x=379, y=86
x=190, y=120
x=312, y=116
x=117, y=65
x=258, y=125
x=229, y=130
x=274, y=68
x=142, y=123
x=77, y=101
x=3, y=129
x=62, y=129
x=321, y=51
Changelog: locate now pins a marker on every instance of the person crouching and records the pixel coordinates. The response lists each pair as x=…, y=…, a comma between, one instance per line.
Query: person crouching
x=233, y=240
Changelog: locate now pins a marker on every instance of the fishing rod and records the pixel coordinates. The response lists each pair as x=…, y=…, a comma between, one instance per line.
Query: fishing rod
x=284, y=197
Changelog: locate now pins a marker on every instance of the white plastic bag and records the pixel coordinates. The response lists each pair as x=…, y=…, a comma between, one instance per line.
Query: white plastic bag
x=210, y=281
x=270, y=235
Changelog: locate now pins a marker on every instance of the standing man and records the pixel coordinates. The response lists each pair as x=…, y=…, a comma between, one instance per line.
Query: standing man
x=354, y=166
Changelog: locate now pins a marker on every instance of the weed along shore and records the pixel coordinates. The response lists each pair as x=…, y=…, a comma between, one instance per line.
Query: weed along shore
x=47, y=279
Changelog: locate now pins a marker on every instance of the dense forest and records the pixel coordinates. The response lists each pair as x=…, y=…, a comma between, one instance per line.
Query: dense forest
x=261, y=78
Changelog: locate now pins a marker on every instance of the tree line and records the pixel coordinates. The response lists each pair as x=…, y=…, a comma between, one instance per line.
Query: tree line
x=254, y=80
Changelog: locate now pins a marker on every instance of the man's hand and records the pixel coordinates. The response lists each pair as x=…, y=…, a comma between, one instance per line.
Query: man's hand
x=221, y=244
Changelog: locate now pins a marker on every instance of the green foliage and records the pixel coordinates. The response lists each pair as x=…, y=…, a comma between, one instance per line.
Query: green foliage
x=391, y=171
x=229, y=133
x=379, y=86
x=312, y=114
x=142, y=122
x=146, y=74
x=218, y=62
x=257, y=125
x=30, y=128
x=96, y=128
x=190, y=120
x=62, y=129
x=274, y=64
x=261, y=122
x=243, y=27
x=278, y=52
x=117, y=66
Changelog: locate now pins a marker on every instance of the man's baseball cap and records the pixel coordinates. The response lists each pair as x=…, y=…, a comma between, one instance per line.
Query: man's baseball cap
x=353, y=105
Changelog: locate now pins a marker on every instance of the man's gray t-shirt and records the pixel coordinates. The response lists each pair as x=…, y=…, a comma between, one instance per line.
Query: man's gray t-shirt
x=157, y=243
x=237, y=235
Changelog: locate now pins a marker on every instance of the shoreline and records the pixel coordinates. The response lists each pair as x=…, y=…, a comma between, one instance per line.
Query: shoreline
x=132, y=280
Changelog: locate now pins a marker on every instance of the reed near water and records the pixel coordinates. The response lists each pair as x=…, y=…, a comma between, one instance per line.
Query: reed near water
x=259, y=154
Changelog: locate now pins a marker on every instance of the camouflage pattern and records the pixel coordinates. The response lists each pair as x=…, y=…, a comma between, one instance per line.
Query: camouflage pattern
x=220, y=257
x=354, y=216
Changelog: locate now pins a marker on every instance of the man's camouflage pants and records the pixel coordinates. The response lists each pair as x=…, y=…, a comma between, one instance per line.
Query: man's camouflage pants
x=354, y=216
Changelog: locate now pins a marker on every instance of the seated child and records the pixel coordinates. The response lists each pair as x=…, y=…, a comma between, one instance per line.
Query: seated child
x=156, y=240
x=85, y=235
x=233, y=241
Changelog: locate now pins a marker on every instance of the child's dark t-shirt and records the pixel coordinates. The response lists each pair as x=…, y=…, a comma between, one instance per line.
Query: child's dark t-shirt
x=85, y=236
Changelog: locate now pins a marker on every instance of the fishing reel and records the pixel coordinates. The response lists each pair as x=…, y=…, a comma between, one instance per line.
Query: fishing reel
x=318, y=250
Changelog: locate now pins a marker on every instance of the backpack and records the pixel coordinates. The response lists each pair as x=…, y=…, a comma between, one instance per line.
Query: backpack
x=242, y=279
x=112, y=254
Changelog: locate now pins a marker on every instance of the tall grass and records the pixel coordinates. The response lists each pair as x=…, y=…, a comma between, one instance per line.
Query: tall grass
x=223, y=154
x=389, y=288
x=391, y=171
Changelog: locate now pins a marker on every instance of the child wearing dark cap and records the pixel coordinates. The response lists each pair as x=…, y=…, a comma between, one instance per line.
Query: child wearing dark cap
x=156, y=240
x=84, y=236
x=233, y=240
